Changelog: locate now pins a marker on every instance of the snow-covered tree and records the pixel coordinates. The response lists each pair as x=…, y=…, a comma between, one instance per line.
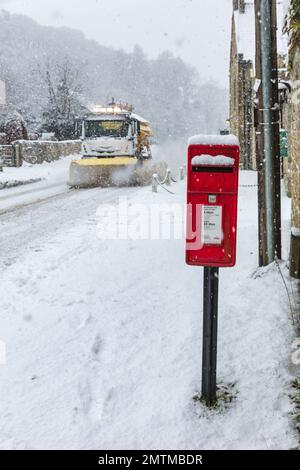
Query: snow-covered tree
x=167, y=91
x=15, y=128
x=63, y=104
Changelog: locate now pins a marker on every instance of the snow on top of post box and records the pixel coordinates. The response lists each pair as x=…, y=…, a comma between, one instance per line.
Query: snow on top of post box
x=204, y=139
x=219, y=160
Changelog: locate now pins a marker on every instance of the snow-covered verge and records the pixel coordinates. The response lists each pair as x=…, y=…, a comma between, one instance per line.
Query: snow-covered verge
x=31, y=173
x=31, y=183
x=104, y=338
x=12, y=183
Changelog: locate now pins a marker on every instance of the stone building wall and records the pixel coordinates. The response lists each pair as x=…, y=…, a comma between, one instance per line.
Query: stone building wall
x=287, y=122
x=241, y=103
x=295, y=141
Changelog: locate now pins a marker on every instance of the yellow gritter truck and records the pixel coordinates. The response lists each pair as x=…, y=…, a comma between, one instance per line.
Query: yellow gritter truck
x=115, y=148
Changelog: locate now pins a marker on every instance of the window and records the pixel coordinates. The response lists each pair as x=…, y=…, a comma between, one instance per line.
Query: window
x=106, y=128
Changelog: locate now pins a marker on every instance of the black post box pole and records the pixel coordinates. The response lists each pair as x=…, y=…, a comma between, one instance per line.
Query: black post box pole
x=210, y=332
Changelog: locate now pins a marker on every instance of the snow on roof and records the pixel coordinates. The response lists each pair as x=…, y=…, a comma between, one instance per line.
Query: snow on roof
x=286, y=4
x=2, y=93
x=285, y=85
x=115, y=117
x=282, y=39
x=245, y=31
x=204, y=139
x=139, y=118
x=106, y=117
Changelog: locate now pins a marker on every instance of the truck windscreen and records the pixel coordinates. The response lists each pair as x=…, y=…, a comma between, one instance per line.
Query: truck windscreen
x=106, y=129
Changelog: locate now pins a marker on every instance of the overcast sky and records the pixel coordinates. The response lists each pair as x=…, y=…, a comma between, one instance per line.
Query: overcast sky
x=196, y=30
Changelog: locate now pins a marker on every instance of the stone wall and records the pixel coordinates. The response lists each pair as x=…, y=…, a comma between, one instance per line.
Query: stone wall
x=287, y=122
x=295, y=141
x=7, y=156
x=294, y=148
x=38, y=151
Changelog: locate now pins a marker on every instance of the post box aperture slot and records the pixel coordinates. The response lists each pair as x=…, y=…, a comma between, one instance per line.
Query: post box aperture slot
x=212, y=169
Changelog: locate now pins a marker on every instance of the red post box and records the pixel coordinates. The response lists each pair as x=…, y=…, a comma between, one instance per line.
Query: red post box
x=212, y=192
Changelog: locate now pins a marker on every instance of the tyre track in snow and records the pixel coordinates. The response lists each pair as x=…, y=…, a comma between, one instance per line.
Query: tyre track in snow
x=12, y=199
x=30, y=226
x=11, y=193
x=38, y=242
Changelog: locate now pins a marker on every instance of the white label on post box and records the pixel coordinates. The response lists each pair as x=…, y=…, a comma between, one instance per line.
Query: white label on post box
x=212, y=233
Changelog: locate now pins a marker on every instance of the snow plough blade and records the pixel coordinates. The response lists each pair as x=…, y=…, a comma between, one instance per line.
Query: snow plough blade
x=116, y=171
x=90, y=172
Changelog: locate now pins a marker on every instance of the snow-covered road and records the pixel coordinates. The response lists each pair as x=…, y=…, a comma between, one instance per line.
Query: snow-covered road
x=50, y=181
x=104, y=338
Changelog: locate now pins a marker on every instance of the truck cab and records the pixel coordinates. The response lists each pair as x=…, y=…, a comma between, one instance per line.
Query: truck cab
x=115, y=133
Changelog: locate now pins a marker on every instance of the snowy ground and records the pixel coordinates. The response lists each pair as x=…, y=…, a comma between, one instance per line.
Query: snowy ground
x=27, y=172
x=33, y=182
x=104, y=338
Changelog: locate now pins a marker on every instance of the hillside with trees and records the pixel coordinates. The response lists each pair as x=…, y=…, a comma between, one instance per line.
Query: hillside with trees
x=51, y=74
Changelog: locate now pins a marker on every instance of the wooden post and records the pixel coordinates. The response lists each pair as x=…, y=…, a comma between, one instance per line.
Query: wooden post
x=276, y=131
x=154, y=183
x=17, y=152
x=168, y=177
x=295, y=257
x=259, y=145
x=267, y=132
